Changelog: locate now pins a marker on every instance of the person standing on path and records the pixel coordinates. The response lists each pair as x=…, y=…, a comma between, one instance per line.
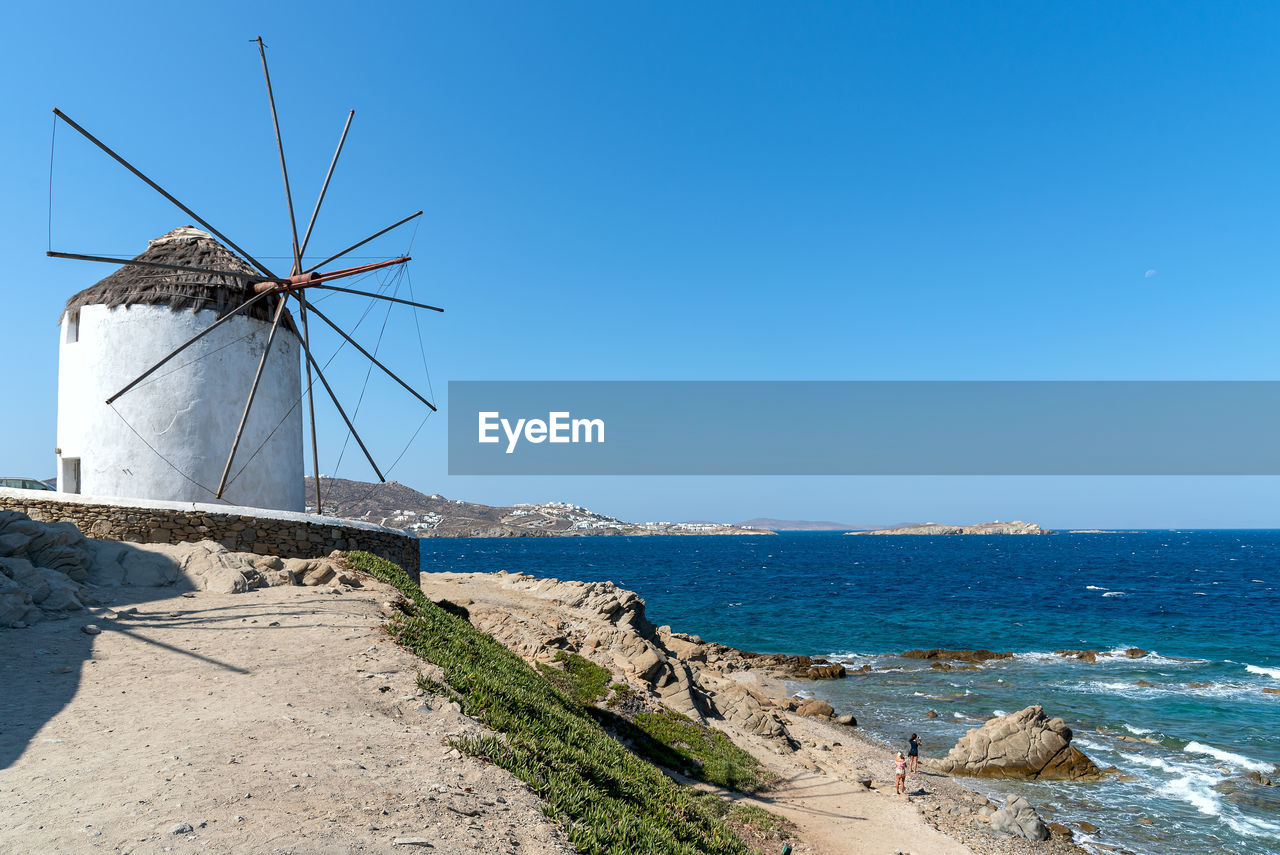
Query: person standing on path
x=913, y=752
x=900, y=773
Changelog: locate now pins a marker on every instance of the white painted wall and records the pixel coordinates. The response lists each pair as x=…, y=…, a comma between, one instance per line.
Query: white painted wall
x=187, y=412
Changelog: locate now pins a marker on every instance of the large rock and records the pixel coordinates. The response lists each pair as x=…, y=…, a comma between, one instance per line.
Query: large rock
x=956, y=655
x=815, y=708
x=1019, y=819
x=1025, y=745
x=16, y=606
x=117, y=564
x=208, y=565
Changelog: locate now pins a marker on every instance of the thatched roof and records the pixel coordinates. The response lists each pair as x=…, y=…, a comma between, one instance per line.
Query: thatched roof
x=179, y=289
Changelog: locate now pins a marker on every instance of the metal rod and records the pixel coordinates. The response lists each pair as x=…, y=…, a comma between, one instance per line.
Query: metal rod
x=324, y=287
x=324, y=188
x=154, y=186
x=308, y=280
x=321, y=315
x=343, y=413
x=204, y=332
x=363, y=242
x=75, y=256
x=253, y=390
x=311, y=402
x=284, y=171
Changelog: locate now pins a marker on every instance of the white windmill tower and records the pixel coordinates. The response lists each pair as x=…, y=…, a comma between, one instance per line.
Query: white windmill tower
x=155, y=361
x=167, y=439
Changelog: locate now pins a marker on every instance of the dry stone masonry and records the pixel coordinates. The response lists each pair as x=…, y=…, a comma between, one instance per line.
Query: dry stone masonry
x=51, y=570
x=260, y=532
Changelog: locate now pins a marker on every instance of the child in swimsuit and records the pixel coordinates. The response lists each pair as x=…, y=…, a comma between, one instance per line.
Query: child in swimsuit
x=900, y=770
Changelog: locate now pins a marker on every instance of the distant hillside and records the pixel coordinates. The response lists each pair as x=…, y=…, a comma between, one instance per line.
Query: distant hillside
x=395, y=505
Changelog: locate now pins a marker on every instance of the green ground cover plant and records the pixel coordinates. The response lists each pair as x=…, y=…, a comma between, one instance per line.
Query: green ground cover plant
x=608, y=800
x=578, y=677
x=714, y=757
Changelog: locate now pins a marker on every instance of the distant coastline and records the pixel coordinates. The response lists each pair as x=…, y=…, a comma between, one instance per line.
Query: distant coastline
x=997, y=527
x=395, y=505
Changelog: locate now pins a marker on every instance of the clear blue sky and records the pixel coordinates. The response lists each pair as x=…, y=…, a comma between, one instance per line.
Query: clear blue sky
x=695, y=191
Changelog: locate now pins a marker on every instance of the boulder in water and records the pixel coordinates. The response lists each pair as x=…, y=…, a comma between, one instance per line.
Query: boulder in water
x=1025, y=745
x=956, y=655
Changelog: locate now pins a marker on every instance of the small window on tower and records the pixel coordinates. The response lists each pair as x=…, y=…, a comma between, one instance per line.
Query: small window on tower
x=69, y=477
x=73, y=328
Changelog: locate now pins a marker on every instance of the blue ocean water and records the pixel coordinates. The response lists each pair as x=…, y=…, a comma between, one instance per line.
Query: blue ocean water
x=1183, y=724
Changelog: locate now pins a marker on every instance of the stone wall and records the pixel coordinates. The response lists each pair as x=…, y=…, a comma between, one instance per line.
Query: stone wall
x=288, y=535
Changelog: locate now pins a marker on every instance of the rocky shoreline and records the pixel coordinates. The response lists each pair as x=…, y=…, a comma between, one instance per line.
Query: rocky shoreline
x=749, y=696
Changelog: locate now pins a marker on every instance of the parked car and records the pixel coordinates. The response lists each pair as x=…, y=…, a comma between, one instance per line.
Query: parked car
x=24, y=484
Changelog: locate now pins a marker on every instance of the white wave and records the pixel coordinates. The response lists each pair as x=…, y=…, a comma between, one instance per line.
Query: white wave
x=1095, y=588
x=998, y=713
x=1136, y=692
x=1164, y=765
x=1084, y=742
x=1273, y=673
x=1136, y=731
x=1035, y=656
x=1196, y=790
x=1252, y=826
x=1229, y=757
x=1154, y=658
x=1115, y=594
x=957, y=715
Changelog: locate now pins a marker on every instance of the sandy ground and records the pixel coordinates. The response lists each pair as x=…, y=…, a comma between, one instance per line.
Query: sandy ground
x=277, y=721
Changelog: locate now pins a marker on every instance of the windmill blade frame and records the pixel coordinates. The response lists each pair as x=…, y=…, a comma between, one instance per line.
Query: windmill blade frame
x=270, y=286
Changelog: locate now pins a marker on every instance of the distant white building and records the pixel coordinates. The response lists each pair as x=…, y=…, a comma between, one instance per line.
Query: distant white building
x=169, y=437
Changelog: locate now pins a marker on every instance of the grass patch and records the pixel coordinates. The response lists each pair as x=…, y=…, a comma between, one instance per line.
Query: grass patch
x=708, y=753
x=763, y=830
x=578, y=677
x=606, y=798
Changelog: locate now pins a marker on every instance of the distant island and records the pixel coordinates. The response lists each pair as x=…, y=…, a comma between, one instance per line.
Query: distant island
x=398, y=506
x=1014, y=527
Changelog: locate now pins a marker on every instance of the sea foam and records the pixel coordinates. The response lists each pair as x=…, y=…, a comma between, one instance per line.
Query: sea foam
x=1273, y=673
x=1196, y=790
x=1227, y=757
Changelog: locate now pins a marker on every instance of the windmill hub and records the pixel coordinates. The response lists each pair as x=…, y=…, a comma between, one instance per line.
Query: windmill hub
x=293, y=283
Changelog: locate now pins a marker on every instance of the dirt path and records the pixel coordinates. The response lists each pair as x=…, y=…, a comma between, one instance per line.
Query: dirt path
x=275, y=721
x=837, y=816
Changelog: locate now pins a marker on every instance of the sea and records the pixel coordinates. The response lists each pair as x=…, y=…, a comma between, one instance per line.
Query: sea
x=1184, y=725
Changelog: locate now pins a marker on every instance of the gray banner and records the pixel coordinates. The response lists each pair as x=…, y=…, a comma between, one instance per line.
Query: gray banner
x=864, y=428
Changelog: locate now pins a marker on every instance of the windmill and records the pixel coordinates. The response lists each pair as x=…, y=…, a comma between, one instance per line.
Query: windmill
x=228, y=292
